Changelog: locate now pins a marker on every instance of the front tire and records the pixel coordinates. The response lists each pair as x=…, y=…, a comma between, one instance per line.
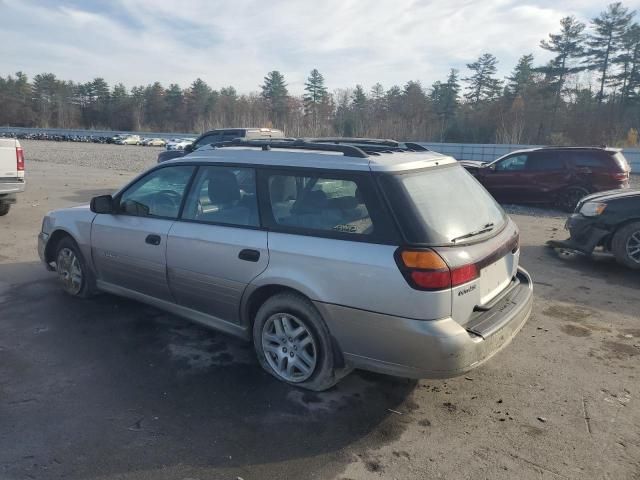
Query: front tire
x=74, y=276
x=293, y=343
x=626, y=245
x=4, y=209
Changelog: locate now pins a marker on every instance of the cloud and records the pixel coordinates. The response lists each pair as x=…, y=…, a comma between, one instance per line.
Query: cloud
x=236, y=43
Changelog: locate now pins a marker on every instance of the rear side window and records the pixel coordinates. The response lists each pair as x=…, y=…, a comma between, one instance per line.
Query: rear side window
x=434, y=206
x=321, y=203
x=544, y=161
x=587, y=159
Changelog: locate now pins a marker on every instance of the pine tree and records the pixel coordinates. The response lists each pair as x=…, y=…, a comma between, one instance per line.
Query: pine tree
x=483, y=87
x=275, y=93
x=522, y=76
x=567, y=45
x=314, y=98
x=605, y=41
x=445, y=98
x=628, y=62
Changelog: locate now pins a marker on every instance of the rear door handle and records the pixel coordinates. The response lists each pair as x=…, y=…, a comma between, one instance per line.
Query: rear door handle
x=153, y=239
x=249, y=255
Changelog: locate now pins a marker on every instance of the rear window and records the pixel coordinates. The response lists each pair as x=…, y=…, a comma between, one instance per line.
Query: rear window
x=621, y=161
x=438, y=205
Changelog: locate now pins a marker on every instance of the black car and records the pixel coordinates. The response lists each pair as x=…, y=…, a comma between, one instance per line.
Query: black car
x=610, y=220
x=222, y=135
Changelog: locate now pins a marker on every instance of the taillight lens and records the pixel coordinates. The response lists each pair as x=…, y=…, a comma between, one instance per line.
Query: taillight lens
x=426, y=270
x=620, y=176
x=20, y=159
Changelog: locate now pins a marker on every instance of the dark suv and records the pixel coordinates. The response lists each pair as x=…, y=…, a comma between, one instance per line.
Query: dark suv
x=222, y=135
x=552, y=175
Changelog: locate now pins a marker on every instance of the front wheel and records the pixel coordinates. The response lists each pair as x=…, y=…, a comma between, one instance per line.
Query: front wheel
x=293, y=344
x=73, y=274
x=626, y=245
x=569, y=198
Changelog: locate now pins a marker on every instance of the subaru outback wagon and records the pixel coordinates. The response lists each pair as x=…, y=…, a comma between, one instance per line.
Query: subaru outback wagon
x=392, y=259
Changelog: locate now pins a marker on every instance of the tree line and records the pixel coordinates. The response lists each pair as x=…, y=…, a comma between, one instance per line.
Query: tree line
x=589, y=92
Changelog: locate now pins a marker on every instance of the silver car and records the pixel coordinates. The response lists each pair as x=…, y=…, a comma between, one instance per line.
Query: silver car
x=328, y=257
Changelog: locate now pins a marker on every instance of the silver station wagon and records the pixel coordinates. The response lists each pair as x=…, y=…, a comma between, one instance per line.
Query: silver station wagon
x=328, y=256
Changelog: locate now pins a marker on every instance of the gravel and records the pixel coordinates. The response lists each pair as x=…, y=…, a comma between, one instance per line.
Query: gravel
x=115, y=157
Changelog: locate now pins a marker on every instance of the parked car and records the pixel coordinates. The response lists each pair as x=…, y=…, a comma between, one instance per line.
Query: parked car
x=154, y=142
x=552, y=175
x=609, y=220
x=220, y=135
x=129, y=140
x=301, y=253
x=11, y=173
x=179, y=144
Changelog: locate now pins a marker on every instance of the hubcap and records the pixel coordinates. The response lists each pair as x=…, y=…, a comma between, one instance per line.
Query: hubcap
x=289, y=347
x=69, y=271
x=633, y=247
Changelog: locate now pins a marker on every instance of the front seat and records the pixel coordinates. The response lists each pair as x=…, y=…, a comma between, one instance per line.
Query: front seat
x=225, y=197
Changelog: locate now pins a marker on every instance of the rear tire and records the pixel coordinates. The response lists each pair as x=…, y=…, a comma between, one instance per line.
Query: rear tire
x=4, y=209
x=626, y=245
x=569, y=198
x=74, y=275
x=293, y=343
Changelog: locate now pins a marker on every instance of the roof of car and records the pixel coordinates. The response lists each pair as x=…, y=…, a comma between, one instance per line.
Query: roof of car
x=310, y=158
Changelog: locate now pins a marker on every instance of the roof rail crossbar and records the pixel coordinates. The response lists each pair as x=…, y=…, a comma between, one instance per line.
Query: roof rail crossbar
x=362, y=141
x=346, y=150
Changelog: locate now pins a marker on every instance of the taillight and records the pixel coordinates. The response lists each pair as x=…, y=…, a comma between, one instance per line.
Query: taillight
x=620, y=175
x=20, y=159
x=426, y=270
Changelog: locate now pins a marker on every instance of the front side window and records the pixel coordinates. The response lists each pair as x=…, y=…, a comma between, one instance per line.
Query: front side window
x=319, y=203
x=511, y=164
x=158, y=194
x=223, y=195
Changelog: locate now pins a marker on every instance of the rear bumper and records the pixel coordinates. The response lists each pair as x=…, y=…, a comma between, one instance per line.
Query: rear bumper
x=428, y=349
x=11, y=188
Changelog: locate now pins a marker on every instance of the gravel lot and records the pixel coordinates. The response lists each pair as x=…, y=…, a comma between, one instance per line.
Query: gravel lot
x=111, y=389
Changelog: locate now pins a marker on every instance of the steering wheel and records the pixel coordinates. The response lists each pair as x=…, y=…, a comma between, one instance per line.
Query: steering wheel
x=166, y=201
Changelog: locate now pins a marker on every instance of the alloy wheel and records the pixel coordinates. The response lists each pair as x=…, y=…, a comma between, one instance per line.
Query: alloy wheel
x=633, y=246
x=69, y=271
x=289, y=347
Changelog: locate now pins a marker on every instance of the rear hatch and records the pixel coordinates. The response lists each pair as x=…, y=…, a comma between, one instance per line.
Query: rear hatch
x=444, y=210
x=11, y=160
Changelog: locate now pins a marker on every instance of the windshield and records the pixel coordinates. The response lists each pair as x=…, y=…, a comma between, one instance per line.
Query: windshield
x=442, y=205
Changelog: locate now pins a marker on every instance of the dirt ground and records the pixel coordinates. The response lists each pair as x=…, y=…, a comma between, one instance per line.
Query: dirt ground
x=112, y=389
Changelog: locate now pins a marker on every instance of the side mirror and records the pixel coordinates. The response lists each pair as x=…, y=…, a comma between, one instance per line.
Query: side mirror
x=188, y=149
x=102, y=204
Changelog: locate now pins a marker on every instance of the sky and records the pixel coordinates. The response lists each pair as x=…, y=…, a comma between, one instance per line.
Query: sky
x=237, y=42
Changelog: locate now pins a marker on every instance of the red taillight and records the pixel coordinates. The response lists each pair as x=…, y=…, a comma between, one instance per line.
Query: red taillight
x=431, y=280
x=20, y=159
x=620, y=175
x=463, y=274
x=426, y=270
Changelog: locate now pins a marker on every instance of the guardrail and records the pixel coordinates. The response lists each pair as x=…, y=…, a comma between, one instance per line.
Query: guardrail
x=486, y=152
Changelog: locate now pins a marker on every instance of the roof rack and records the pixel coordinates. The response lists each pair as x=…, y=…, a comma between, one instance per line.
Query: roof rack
x=268, y=144
x=365, y=143
x=576, y=147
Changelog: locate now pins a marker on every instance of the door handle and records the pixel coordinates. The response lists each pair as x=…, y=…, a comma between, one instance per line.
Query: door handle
x=249, y=255
x=153, y=239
